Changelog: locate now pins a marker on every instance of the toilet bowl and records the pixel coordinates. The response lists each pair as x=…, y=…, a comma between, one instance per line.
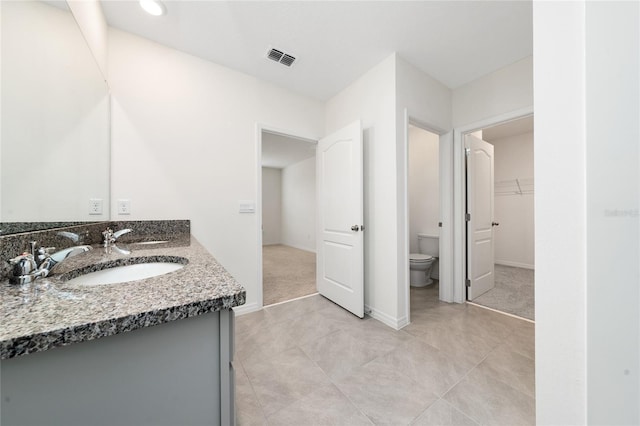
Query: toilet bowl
x=420, y=269
x=420, y=263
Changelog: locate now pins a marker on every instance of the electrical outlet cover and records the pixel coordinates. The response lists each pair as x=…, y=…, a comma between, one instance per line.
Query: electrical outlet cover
x=95, y=206
x=124, y=206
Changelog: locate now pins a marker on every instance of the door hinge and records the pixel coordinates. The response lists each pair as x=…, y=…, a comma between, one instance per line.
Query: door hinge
x=467, y=151
x=439, y=224
x=468, y=217
x=468, y=283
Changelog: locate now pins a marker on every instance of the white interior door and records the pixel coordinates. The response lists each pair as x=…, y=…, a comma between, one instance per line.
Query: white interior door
x=480, y=220
x=340, y=241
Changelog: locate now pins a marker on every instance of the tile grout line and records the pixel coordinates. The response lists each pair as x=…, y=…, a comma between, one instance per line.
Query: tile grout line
x=264, y=416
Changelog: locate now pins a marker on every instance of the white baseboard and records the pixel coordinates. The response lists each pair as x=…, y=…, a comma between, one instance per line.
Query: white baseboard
x=514, y=264
x=247, y=308
x=298, y=247
x=395, y=323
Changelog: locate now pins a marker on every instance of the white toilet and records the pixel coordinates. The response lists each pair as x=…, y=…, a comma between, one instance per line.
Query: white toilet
x=420, y=263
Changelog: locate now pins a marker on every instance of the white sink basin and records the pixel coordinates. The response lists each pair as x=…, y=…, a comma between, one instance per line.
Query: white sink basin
x=122, y=274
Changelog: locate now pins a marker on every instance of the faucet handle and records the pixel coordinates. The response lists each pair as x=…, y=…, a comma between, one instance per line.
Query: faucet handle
x=109, y=239
x=44, y=252
x=23, y=264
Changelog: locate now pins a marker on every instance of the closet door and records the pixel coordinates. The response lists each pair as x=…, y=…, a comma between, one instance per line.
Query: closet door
x=480, y=223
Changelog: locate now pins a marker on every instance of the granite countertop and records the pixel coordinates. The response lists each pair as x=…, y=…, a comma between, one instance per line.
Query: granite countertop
x=56, y=313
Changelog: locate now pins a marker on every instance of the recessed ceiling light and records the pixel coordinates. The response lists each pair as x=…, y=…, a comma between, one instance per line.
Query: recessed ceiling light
x=153, y=7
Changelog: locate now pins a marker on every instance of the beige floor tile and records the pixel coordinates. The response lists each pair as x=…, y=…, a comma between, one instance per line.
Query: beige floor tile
x=386, y=396
x=441, y=413
x=442, y=315
x=282, y=380
x=511, y=368
x=340, y=353
x=248, y=409
x=435, y=370
x=462, y=346
x=292, y=353
x=312, y=326
x=263, y=341
x=246, y=322
x=376, y=333
x=490, y=401
x=523, y=340
x=325, y=406
x=295, y=308
x=493, y=327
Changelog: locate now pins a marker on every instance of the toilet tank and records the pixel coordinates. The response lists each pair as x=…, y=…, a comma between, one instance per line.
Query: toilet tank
x=429, y=244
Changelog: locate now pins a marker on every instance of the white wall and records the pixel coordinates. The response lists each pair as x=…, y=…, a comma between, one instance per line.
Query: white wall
x=424, y=185
x=271, y=206
x=612, y=62
x=371, y=99
x=560, y=166
x=184, y=144
x=90, y=18
x=428, y=102
x=507, y=89
x=514, y=237
x=299, y=205
x=379, y=98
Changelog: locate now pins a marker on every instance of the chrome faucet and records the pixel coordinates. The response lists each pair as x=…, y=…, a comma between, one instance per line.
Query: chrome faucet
x=111, y=237
x=27, y=267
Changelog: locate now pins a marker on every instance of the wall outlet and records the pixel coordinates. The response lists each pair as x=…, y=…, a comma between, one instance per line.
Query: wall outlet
x=124, y=206
x=95, y=206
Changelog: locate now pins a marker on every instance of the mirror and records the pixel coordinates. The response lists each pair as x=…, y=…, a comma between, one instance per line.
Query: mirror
x=54, y=118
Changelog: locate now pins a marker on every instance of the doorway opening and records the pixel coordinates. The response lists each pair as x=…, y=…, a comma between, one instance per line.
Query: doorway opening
x=423, y=217
x=288, y=206
x=500, y=217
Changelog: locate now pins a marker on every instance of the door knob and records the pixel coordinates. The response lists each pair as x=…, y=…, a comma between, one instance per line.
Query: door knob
x=355, y=228
x=495, y=224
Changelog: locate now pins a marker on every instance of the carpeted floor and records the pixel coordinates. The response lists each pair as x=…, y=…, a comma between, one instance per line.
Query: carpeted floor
x=513, y=292
x=287, y=273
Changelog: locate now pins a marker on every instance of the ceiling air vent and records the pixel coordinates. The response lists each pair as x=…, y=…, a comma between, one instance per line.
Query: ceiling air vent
x=287, y=60
x=281, y=57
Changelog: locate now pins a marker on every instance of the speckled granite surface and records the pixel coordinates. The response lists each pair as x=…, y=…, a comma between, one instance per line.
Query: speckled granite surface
x=88, y=233
x=54, y=313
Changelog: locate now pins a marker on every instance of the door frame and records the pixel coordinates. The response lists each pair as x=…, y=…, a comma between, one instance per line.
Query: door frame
x=459, y=290
x=446, y=236
x=259, y=129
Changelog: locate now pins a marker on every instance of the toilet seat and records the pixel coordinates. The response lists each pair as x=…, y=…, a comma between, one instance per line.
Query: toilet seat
x=419, y=258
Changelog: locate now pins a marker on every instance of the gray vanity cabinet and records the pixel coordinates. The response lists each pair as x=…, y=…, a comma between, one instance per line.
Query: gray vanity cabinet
x=180, y=372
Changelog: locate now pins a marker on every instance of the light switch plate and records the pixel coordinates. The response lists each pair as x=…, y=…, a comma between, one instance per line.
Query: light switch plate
x=246, y=206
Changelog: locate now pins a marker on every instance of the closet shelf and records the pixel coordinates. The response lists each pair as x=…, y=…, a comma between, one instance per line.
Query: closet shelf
x=517, y=186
